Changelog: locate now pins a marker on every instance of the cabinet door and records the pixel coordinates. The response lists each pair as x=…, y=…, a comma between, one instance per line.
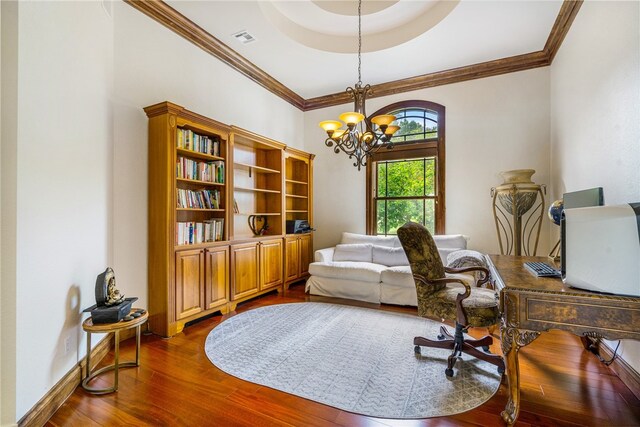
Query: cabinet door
x=270, y=263
x=244, y=270
x=189, y=272
x=305, y=247
x=216, y=276
x=292, y=256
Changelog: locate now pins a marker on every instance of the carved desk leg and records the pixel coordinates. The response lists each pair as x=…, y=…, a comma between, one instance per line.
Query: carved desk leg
x=512, y=340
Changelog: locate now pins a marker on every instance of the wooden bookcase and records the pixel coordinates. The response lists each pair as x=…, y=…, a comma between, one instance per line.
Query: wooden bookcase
x=186, y=280
x=199, y=169
x=298, y=179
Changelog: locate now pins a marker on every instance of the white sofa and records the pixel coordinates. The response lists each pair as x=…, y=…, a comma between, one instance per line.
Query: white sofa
x=372, y=268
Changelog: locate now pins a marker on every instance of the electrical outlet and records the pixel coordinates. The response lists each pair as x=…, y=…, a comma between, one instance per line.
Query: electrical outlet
x=67, y=345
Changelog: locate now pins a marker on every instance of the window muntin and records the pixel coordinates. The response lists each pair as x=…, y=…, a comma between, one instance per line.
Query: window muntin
x=416, y=124
x=405, y=191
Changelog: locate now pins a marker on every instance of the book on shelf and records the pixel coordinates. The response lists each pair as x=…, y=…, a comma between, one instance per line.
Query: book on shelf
x=198, y=199
x=201, y=171
x=189, y=140
x=191, y=233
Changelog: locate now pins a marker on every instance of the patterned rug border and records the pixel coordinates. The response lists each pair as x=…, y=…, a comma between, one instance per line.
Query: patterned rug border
x=498, y=377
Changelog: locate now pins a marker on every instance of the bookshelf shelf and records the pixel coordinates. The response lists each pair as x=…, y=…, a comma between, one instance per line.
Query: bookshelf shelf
x=200, y=210
x=297, y=211
x=258, y=213
x=257, y=169
x=293, y=181
x=197, y=155
x=296, y=196
x=259, y=190
x=198, y=182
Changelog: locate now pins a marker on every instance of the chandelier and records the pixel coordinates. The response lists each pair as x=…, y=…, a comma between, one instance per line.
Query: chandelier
x=359, y=139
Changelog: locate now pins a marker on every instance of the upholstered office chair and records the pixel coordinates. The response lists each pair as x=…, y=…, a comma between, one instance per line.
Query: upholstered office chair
x=449, y=298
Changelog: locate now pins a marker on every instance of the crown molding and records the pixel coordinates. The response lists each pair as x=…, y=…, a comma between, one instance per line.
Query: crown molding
x=184, y=27
x=455, y=75
x=560, y=28
x=181, y=25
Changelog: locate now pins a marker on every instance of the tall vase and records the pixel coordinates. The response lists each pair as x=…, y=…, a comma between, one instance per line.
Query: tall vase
x=518, y=211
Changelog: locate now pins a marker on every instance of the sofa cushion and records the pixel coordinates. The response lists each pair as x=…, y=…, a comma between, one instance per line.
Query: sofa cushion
x=350, y=238
x=363, y=271
x=353, y=252
x=398, y=276
x=389, y=256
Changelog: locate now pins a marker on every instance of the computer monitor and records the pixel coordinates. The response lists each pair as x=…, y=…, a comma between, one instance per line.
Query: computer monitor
x=576, y=199
x=583, y=198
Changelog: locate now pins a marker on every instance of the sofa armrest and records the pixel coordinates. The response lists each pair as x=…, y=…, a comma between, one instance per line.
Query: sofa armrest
x=324, y=255
x=451, y=241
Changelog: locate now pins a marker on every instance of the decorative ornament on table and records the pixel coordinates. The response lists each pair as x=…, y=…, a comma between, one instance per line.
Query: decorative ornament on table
x=111, y=306
x=555, y=214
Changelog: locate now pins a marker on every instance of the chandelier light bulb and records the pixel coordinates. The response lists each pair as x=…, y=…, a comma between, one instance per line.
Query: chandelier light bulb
x=337, y=134
x=330, y=125
x=351, y=118
x=390, y=130
x=383, y=119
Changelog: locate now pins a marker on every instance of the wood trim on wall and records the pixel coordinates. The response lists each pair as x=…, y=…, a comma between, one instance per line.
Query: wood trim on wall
x=50, y=402
x=625, y=372
x=184, y=27
x=181, y=25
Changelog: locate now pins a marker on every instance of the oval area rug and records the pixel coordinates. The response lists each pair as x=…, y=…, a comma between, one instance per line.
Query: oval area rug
x=355, y=359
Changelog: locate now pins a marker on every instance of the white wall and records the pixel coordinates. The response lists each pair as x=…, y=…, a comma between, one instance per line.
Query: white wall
x=493, y=124
x=8, y=174
x=152, y=64
x=64, y=147
x=595, y=110
x=81, y=168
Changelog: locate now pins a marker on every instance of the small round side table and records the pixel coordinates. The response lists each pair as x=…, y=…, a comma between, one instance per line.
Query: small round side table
x=103, y=328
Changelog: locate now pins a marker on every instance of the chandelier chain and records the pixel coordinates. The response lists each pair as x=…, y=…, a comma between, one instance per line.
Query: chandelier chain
x=359, y=41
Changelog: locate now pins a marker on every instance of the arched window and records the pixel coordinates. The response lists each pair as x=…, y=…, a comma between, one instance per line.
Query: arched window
x=406, y=183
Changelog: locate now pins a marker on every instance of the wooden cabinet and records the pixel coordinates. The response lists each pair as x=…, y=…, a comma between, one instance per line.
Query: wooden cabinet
x=298, y=256
x=270, y=263
x=256, y=267
x=201, y=281
x=292, y=259
x=189, y=274
x=216, y=277
x=206, y=182
x=244, y=264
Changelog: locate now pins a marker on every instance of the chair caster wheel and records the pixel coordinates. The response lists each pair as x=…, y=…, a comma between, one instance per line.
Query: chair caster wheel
x=485, y=348
x=500, y=370
x=416, y=349
x=448, y=372
x=441, y=337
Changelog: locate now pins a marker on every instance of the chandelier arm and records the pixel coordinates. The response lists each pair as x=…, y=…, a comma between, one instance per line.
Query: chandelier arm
x=360, y=140
x=360, y=42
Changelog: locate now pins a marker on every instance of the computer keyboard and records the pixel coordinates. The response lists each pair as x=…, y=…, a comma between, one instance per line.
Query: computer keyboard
x=541, y=269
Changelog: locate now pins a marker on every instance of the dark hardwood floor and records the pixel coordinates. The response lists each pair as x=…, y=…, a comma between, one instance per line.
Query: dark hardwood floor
x=562, y=385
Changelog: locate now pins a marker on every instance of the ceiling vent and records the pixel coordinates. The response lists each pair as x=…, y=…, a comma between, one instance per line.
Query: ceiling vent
x=244, y=37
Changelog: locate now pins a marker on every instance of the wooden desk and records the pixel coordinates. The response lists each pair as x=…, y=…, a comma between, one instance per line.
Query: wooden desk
x=531, y=305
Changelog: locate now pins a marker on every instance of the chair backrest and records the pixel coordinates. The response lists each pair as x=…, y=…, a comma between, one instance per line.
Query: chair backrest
x=422, y=252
